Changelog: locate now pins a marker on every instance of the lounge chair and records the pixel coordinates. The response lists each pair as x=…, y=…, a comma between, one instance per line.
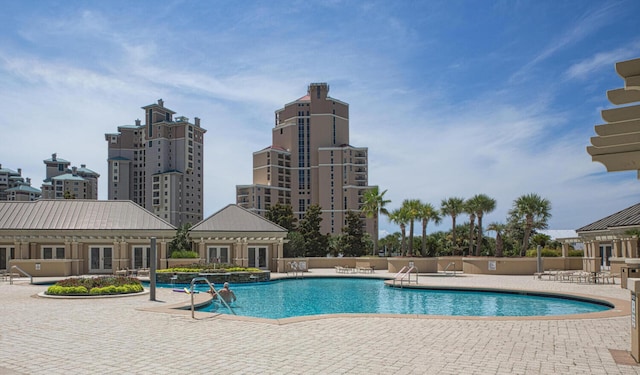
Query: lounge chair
x=364, y=267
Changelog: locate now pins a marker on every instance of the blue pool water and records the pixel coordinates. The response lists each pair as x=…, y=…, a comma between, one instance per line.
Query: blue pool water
x=303, y=297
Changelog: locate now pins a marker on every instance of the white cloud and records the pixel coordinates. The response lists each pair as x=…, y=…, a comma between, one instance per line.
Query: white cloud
x=426, y=140
x=602, y=60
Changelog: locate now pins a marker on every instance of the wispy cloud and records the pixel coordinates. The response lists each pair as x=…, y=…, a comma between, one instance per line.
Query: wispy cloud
x=601, y=60
x=588, y=23
x=437, y=119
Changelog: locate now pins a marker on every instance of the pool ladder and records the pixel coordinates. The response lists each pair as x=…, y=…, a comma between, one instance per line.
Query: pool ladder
x=201, y=278
x=405, y=274
x=20, y=270
x=453, y=270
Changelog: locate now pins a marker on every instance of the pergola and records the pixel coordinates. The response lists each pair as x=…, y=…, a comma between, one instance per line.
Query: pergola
x=617, y=144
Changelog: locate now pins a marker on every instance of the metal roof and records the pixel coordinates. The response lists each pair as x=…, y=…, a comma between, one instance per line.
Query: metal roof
x=9, y=171
x=628, y=217
x=556, y=234
x=234, y=218
x=68, y=176
x=26, y=188
x=72, y=214
x=87, y=171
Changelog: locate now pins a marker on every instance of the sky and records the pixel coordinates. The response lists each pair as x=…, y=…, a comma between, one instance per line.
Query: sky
x=452, y=98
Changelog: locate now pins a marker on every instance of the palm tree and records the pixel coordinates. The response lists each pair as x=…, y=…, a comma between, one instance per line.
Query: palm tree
x=373, y=206
x=499, y=229
x=412, y=210
x=399, y=217
x=484, y=205
x=453, y=207
x=535, y=211
x=471, y=207
x=427, y=213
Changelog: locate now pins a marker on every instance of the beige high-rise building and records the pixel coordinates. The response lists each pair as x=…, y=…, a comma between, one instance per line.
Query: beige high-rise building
x=159, y=165
x=13, y=187
x=310, y=161
x=65, y=182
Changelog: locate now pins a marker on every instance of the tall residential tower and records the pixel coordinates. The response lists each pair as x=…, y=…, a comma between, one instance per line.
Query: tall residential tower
x=159, y=165
x=310, y=161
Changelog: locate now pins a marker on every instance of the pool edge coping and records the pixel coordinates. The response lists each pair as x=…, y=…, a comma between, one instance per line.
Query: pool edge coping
x=620, y=307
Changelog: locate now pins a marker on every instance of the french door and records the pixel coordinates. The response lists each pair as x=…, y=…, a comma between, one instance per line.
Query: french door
x=219, y=254
x=258, y=257
x=100, y=259
x=141, y=257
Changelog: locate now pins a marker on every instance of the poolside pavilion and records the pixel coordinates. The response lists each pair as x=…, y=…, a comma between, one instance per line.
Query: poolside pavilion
x=609, y=241
x=78, y=237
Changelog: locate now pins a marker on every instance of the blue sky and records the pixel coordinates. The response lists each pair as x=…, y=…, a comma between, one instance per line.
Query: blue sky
x=452, y=98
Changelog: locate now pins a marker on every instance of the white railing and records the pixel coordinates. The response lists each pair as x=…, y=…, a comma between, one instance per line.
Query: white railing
x=212, y=289
x=21, y=271
x=405, y=274
x=447, y=268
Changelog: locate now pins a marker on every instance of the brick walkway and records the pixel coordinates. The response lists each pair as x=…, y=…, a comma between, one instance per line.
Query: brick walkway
x=117, y=335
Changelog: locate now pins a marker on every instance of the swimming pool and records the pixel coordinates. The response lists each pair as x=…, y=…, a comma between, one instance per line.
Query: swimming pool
x=317, y=296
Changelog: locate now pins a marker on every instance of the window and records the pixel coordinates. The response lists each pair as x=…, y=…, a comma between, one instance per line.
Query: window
x=52, y=252
x=218, y=254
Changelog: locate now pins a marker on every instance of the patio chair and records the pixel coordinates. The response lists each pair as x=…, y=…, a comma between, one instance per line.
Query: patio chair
x=364, y=267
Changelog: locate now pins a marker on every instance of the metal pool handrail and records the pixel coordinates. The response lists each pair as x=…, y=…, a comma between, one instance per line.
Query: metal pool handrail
x=405, y=272
x=193, y=281
x=19, y=270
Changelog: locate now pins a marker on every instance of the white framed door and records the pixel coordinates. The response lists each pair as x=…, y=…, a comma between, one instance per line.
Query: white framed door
x=140, y=257
x=100, y=259
x=605, y=254
x=258, y=257
x=218, y=254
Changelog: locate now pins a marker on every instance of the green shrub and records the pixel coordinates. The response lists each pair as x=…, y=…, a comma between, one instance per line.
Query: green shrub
x=184, y=254
x=576, y=253
x=544, y=252
x=208, y=268
x=96, y=286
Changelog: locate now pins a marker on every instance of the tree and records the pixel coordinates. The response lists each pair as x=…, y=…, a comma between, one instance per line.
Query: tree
x=352, y=241
x=374, y=205
x=499, y=229
x=411, y=208
x=282, y=215
x=316, y=244
x=534, y=212
x=296, y=245
x=427, y=213
x=68, y=195
x=453, y=207
x=541, y=239
x=471, y=207
x=181, y=240
x=483, y=205
x=391, y=243
x=399, y=217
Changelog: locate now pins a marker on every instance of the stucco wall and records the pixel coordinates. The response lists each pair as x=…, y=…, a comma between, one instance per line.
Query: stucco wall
x=45, y=268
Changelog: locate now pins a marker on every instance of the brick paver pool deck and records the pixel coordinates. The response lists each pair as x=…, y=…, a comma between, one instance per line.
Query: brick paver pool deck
x=120, y=335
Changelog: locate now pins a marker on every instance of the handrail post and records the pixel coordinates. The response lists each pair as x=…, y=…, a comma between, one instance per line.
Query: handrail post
x=19, y=270
x=199, y=278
